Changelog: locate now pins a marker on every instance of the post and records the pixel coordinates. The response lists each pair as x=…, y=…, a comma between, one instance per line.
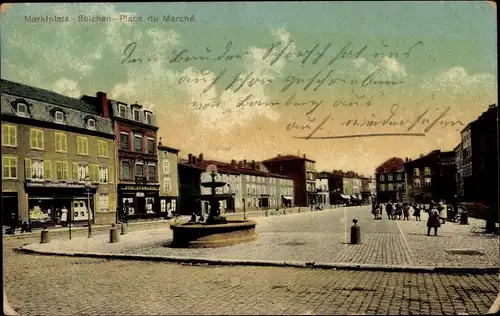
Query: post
x=69, y=221
x=355, y=233
x=45, y=238
x=113, y=234
x=123, y=229
x=88, y=213
x=244, y=210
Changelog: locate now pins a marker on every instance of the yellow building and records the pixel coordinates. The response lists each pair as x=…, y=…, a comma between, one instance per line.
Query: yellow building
x=58, y=158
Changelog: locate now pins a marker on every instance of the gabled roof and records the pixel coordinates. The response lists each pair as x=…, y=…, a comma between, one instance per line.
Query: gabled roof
x=25, y=91
x=393, y=164
x=287, y=158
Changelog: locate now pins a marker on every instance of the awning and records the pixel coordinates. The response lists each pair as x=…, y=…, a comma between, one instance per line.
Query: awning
x=354, y=197
x=345, y=197
x=287, y=197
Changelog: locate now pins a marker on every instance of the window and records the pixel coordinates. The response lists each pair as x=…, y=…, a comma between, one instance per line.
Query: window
x=103, y=202
x=82, y=145
x=136, y=115
x=152, y=173
x=139, y=170
x=149, y=118
x=399, y=176
x=61, y=168
x=389, y=177
x=61, y=142
x=382, y=178
x=103, y=174
x=124, y=142
x=166, y=167
x=34, y=169
x=382, y=187
x=47, y=170
x=91, y=124
x=102, y=149
x=83, y=171
x=138, y=143
x=416, y=172
x=9, y=167
x=125, y=170
x=122, y=110
x=427, y=182
x=59, y=116
x=151, y=146
x=390, y=187
x=9, y=135
x=416, y=183
x=36, y=138
x=427, y=171
x=167, y=185
x=21, y=108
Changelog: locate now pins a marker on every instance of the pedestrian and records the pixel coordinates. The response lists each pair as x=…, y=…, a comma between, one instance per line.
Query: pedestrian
x=433, y=221
x=399, y=210
x=443, y=212
x=388, y=209
x=416, y=212
x=406, y=211
x=13, y=222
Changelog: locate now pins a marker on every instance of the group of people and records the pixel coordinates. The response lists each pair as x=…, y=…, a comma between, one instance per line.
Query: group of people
x=438, y=212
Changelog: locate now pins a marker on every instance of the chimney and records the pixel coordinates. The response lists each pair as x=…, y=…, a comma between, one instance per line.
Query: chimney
x=201, y=157
x=279, y=155
x=253, y=164
x=102, y=100
x=190, y=158
x=244, y=162
x=233, y=163
x=304, y=156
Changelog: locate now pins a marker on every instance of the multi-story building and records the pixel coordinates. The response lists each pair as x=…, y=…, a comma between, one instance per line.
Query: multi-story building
x=136, y=150
x=390, y=178
x=431, y=177
x=303, y=172
x=57, y=156
x=467, y=180
x=249, y=186
x=168, y=159
x=344, y=187
x=323, y=192
x=366, y=190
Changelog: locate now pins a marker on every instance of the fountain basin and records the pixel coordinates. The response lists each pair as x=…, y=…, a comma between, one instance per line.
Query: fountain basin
x=199, y=235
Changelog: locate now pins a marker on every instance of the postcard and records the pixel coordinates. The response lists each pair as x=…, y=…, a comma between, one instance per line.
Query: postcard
x=274, y=157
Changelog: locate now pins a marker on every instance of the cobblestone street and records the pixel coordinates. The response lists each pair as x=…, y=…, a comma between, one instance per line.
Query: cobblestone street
x=42, y=285
x=48, y=285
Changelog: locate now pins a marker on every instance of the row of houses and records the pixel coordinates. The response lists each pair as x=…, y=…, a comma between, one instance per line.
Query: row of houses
x=468, y=173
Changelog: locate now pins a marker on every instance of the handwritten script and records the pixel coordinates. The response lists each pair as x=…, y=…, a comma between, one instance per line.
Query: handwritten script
x=321, y=69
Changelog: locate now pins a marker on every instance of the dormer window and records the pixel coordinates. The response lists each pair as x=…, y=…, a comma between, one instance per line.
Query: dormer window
x=91, y=124
x=59, y=116
x=136, y=114
x=22, y=109
x=122, y=110
x=149, y=118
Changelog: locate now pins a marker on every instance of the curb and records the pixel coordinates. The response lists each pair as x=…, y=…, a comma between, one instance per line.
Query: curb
x=266, y=263
x=495, y=307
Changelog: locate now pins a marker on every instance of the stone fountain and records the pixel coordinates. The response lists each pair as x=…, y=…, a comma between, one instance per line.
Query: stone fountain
x=216, y=231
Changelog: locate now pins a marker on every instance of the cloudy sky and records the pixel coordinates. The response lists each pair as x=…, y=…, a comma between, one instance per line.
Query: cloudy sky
x=290, y=71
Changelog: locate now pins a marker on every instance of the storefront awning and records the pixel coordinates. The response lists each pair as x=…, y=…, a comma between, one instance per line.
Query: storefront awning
x=287, y=197
x=345, y=197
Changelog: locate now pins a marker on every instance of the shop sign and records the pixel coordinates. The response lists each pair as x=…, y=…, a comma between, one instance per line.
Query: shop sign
x=138, y=188
x=55, y=185
x=139, y=194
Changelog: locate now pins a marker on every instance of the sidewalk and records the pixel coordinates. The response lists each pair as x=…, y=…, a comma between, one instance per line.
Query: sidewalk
x=408, y=251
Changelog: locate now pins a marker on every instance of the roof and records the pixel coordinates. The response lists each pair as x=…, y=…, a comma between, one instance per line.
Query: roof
x=287, y=158
x=169, y=149
x=393, y=164
x=25, y=91
x=224, y=167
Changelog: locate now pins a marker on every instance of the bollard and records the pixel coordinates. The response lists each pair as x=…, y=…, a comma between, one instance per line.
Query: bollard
x=123, y=229
x=464, y=219
x=299, y=209
x=284, y=211
x=355, y=233
x=113, y=234
x=266, y=213
x=45, y=238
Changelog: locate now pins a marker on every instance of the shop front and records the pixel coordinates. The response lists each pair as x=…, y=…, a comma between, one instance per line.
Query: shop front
x=10, y=208
x=287, y=201
x=168, y=205
x=264, y=201
x=139, y=201
x=59, y=203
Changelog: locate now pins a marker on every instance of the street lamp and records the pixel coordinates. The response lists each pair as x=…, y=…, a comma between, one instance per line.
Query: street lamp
x=88, y=185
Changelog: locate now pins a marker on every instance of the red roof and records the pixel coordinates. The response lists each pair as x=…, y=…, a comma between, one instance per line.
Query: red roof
x=394, y=164
x=225, y=167
x=287, y=158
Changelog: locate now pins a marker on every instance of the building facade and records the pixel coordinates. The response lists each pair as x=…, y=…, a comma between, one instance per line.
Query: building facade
x=323, y=192
x=249, y=186
x=57, y=158
x=459, y=177
x=390, y=179
x=168, y=159
x=136, y=146
x=431, y=177
x=303, y=172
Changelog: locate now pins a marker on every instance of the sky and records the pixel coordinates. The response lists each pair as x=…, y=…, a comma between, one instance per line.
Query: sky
x=296, y=78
